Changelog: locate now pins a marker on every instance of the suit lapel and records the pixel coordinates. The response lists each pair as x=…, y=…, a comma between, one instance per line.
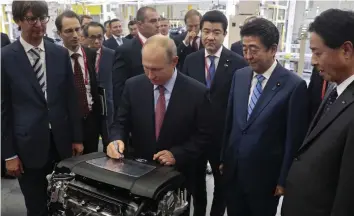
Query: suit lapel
x=199, y=72
x=342, y=102
x=147, y=102
x=51, y=72
x=244, y=80
x=274, y=84
x=26, y=68
x=223, y=65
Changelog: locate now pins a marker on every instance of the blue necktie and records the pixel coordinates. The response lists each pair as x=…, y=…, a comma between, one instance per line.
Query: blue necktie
x=256, y=94
x=211, y=71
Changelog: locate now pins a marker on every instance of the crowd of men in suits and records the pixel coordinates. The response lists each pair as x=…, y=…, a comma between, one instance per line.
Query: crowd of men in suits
x=183, y=101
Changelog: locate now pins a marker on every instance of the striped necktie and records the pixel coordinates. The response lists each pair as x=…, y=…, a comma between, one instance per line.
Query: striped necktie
x=38, y=67
x=256, y=94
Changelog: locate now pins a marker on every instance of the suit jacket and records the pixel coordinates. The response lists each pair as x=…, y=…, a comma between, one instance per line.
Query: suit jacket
x=321, y=178
x=185, y=127
x=260, y=151
x=182, y=50
x=229, y=62
x=112, y=42
x=105, y=81
x=26, y=114
x=129, y=36
x=315, y=93
x=4, y=40
x=127, y=64
x=237, y=48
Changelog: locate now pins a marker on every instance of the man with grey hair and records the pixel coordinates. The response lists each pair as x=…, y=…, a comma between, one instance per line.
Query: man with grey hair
x=173, y=138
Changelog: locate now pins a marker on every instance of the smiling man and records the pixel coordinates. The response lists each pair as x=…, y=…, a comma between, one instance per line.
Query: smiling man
x=266, y=123
x=321, y=179
x=213, y=66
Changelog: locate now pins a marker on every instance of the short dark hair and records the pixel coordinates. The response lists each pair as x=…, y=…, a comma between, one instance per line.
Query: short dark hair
x=131, y=22
x=335, y=27
x=264, y=29
x=107, y=22
x=163, y=19
x=191, y=13
x=214, y=16
x=20, y=9
x=68, y=14
x=112, y=21
x=92, y=24
x=82, y=17
x=141, y=14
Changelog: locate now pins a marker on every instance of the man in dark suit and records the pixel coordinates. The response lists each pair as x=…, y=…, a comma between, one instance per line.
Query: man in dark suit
x=266, y=123
x=213, y=66
x=4, y=40
x=83, y=61
x=321, y=178
x=189, y=41
x=116, y=39
x=39, y=112
x=104, y=66
x=133, y=29
x=164, y=127
x=128, y=56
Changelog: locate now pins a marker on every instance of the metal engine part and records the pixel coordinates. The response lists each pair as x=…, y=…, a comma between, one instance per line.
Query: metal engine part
x=70, y=196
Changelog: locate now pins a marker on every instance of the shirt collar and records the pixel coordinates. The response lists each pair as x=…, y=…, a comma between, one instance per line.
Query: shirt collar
x=28, y=46
x=79, y=51
x=115, y=37
x=142, y=38
x=341, y=87
x=268, y=72
x=170, y=83
x=217, y=54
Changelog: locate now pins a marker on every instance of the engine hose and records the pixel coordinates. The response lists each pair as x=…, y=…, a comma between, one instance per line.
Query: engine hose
x=140, y=209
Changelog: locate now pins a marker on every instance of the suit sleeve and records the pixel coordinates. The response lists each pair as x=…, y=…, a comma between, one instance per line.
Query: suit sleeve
x=196, y=145
x=121, y=68
x=343, y=200
x=73, y=105
x=297, y=126
x=185, y=67
x=109, y=88
x=228, y=121
x=182, y=51
x=120, y=127
x=7, y=140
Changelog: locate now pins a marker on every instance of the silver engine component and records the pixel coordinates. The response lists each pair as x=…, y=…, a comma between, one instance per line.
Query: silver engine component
x=72, y=196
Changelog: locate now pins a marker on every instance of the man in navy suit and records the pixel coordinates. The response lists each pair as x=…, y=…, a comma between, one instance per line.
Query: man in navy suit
x=94, y=32
x=213, y=66
x=116, y=39
x=266, y=123
x=39, y=115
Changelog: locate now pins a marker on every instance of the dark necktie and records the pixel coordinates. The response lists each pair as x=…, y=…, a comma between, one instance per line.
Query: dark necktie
x=160, y=111
x=330, y=100
x=80, y=86
x=211, y=72
x=195, y=44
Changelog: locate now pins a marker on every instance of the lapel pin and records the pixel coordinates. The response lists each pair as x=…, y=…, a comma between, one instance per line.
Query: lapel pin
x=226, y=65
x=343, y=102
x=278, y=84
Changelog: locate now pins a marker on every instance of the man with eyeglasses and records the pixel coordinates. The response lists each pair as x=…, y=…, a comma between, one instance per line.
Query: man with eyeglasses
x=39, y=116
x=83, y=61
x=94, y=34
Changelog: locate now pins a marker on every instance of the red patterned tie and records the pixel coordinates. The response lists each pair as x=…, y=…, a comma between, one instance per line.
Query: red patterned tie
x=160, y=111
x=80, y=86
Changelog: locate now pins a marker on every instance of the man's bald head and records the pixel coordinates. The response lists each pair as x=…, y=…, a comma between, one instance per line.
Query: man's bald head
x=159, y=58
x=162, y=42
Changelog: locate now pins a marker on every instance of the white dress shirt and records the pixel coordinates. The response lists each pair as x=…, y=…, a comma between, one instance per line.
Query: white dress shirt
x=168, y=89
x=27, y=47
x=142, y=38
x=82, y=64
x=216, y=60
x=266, y=75
x=341, y=87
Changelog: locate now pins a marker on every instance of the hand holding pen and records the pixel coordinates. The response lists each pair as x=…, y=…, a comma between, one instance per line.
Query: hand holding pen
x=116, y=149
